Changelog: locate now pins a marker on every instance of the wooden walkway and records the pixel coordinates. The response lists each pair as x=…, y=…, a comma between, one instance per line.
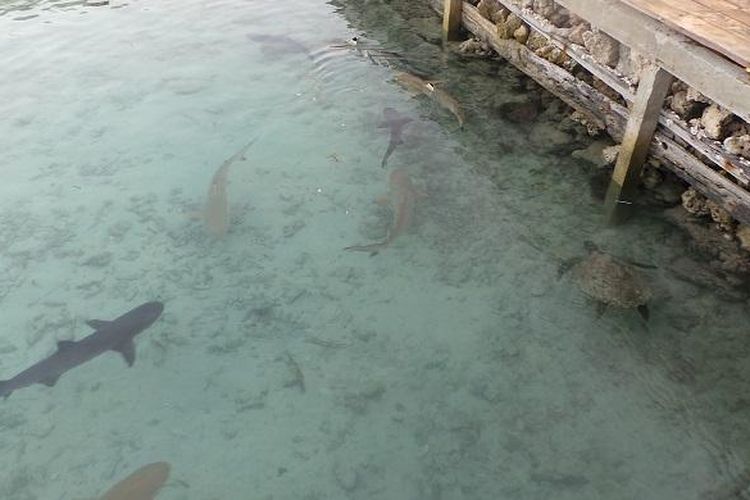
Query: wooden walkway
x=721, y=25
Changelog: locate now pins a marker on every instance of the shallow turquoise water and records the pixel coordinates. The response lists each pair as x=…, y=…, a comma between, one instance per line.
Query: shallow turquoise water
x=452, y=365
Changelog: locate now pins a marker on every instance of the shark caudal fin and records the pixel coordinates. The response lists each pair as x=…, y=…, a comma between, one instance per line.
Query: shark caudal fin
x=5, y=388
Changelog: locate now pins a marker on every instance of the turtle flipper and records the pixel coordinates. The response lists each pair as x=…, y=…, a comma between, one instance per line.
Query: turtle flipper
x=601, y=308
x=567, y=265
x=643, y=311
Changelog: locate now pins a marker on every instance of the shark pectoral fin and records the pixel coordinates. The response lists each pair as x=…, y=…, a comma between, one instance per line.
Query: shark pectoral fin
x=64, y=345
x=50, y=381
x=98, y=324
x=128, y=351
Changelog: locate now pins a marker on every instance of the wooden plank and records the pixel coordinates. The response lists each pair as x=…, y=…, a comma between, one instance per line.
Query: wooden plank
x=736, y=166
x=741, y=14
x=715, y=77
x=611, y=115
x=639, y=131
x=452, y=19
x=709, y=26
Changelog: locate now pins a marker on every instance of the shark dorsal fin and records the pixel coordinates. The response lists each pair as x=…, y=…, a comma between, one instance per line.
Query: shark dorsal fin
x=64, y=345
x=127, y=350
x=98, y=324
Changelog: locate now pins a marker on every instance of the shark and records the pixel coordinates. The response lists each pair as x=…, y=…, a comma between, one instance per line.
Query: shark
x=143, y=484
x=417, y=85
x=402, y=197
x=215, y=213
x=395, y=122
x=114, y=335
x=279, y=45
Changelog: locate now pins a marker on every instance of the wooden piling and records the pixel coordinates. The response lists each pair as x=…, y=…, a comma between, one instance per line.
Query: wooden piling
x=639, y=131
x=451, y=19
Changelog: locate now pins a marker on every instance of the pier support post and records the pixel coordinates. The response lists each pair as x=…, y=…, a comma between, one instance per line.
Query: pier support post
x=451, y=19
x=644, y=115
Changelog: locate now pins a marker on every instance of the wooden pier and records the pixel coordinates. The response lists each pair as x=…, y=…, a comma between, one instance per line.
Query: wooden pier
x=703, y=43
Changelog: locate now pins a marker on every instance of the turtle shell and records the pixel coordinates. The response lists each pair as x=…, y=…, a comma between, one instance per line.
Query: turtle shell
x=611, y=282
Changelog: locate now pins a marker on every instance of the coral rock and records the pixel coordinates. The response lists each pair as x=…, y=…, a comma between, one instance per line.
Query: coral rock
x=575, y=35
x=509, y=26
x=694, y=202
x=487, y=8
x=743, y=235
x=694, y=95
x=721, y=216
x=545, y=8
x=715, y=120
x=738, y=145
x=536, y=41
x=602, y=47
x=610, y=154
x=679, y=104
x=521, y=34
x=593, y=154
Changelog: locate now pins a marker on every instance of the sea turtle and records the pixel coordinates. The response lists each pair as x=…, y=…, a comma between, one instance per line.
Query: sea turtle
x=609, y=281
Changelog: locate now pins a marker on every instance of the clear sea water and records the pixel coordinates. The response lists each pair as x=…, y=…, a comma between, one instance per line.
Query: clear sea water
x=452, y=365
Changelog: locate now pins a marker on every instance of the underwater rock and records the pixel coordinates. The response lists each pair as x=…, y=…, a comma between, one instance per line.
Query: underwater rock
x=714, y=121
x=506, y=28
x=738, y=145
x=610, y=154
x=725, y=253
x=475, y=47
x=743, y=236
x=651, y=177
x=575, y=35
x=592, y=128
x=488, y=8
x=694, y=95
x=536, y=41
x=685, y=108
x=602, y=47
x=669, y=191
x=722, y=218
x=524, y=111
x=694, y=202
x=521, y=34
x=593, y=153
x=548, y=137
x=546, y=8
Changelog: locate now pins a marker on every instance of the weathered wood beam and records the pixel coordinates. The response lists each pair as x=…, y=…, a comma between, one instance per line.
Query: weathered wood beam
x=734, y=165
x=452, y=19
x=714, y=76
x=608, y=114
x=639, y=131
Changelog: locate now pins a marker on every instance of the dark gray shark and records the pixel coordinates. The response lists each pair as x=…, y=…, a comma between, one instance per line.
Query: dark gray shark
x=116, y=335
x=395, y=122
x=279, y=45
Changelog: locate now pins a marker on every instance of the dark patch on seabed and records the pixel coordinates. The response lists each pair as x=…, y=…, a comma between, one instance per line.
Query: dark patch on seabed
x=696, y=340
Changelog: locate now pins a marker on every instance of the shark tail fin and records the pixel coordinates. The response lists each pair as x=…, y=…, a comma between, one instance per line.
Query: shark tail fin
x=5, y=389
